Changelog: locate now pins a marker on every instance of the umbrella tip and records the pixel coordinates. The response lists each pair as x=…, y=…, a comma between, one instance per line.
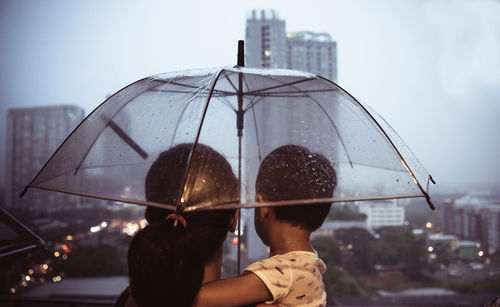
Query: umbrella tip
x=241, y=53
x=429, y=202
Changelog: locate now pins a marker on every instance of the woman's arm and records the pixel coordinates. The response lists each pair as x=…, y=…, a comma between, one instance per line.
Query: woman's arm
x=237, y=291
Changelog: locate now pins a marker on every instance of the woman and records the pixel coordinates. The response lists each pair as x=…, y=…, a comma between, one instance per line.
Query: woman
x=170, y=258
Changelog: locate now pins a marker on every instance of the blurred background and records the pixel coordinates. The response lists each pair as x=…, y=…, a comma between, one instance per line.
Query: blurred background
x=431, y=69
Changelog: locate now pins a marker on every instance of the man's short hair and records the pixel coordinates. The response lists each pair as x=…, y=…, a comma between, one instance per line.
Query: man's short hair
x=292, y=172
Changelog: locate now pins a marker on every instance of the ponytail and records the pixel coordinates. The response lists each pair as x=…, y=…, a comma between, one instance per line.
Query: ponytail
x=165, y=267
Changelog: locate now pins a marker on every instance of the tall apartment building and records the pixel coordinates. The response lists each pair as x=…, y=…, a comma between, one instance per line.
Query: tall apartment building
x=474, y=219
x=382, y=213
x=33, y=134
x=268, y=45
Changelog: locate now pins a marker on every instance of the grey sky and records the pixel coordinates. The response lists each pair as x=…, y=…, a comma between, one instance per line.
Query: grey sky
x=430, y=68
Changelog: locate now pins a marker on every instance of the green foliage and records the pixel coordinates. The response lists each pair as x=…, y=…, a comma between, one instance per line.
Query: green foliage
x=357, y=240
x=327, y=250
x=344, y=213
x=100, y=260
x=400, y=246
x=339, y=283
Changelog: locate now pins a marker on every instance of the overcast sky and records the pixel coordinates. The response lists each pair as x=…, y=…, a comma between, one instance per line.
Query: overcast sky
x=430, y=68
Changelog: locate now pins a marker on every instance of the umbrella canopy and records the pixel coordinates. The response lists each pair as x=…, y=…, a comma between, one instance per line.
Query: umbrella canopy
x=244, y=114
x=14, y=236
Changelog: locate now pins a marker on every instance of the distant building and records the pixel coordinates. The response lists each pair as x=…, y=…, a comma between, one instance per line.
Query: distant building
x=313, y=52
x=382, y=213
x=474, y=219
x=265, y=40
x=33, y=134
x=268, y=45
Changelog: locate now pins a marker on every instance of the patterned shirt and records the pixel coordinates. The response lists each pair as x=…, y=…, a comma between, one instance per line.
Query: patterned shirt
x=294, y=279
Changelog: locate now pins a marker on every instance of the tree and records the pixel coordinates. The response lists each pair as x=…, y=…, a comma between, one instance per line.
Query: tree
x=356, y=241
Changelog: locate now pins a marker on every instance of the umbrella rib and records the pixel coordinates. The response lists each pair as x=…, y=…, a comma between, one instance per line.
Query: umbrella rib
x=124, y=136
x=193, y=150
x=195, y=87
x=277, y=86
x=230, y=82
x=182, y=113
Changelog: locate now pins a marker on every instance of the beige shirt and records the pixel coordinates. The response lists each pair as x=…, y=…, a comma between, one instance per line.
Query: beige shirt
x=294, y=279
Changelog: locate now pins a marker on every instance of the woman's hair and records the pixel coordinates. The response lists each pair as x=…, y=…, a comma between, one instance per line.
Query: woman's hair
x=166, y=262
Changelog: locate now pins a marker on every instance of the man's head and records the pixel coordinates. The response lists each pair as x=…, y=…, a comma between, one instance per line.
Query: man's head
x=292, y=172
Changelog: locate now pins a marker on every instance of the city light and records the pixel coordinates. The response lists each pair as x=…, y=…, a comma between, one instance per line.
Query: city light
x=268, y=52
x=56, y=278
x=30, y=271
x=104, y=224
x=69, y=237
x=95, y=229
x=57, y=254
x=430, y=249
x=235, y=240
x=44, y=266
x=131, y=229
x=12, y=290
x=27, y=278
x=481, y=253
x=428, y=225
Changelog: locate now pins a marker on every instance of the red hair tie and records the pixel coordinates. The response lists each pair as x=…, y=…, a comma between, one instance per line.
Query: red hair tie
x=177, y=217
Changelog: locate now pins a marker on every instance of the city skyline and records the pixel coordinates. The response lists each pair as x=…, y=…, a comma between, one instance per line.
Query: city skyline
x=429, y=68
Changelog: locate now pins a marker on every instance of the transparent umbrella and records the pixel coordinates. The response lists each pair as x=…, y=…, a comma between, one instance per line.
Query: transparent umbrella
x=244, y=114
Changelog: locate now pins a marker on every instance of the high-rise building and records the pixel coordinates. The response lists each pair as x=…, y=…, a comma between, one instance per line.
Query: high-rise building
x=312, y=52
x=269, y=45
x=265, y=41
x=33, y=134
x=476, y=220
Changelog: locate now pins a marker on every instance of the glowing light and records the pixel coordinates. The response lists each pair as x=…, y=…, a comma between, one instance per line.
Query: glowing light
x=478, y=245
x=131, y=229
x=57, y=254
x=24, y=284
x=30, y=271
x=45, y=266
x=268, y=52
x=104, y=224
x=65, y=257
x=65, y=248
x=407, y=223
x=182, y=199
x=430, y=249
x=349, y=246
x=481, y=253
x=69, y=237
x=235, y=241
x=94, y=229
x=12, y=290
x=428, y=225
x=56, y=278
x=27, y=278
